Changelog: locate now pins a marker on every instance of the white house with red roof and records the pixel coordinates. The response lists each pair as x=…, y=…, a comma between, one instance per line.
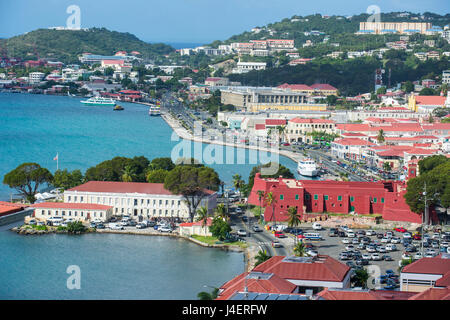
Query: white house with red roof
x=138, y=199
x=76, y=211
x=350, y=148
x=425, y=273
x=198, y=227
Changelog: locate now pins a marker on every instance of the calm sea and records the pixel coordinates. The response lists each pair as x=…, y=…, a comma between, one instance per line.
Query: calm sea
x=33, y=128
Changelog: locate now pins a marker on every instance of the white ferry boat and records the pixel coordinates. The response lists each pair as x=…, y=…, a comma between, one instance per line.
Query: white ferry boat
x=154, y=111
x=100, y=101
x=307, y=167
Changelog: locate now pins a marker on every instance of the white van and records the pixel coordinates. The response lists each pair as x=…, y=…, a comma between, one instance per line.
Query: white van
x=317, y=226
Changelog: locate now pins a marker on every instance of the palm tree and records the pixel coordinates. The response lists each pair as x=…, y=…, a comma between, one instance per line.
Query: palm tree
x=202, y=213
x=380, y=137
x=270, y=201
x=208, y=295
x=128, y=174
x=261, y=257
x=260, y=198
x=281, y=131
x=221, y=211
x=294, y=218
x=300, y=249
x=238, y=183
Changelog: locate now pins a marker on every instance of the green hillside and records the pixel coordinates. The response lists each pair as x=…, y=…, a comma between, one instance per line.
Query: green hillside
x=66, y=45
x=337, y=28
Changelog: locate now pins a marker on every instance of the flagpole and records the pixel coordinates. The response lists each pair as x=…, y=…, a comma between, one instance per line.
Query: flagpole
x=57, y=161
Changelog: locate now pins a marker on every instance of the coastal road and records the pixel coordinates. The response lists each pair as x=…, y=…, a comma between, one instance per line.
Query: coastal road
x=262, y=239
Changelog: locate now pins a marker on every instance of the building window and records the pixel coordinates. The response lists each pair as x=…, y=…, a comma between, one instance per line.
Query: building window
x=296, y=197
x=382, y=200
x=325, y=197
x=68, y=198
x=316, y=197
x=81, y=199
x=374, y=200
x=339, y=198
x=352, y=199
x=281, y=197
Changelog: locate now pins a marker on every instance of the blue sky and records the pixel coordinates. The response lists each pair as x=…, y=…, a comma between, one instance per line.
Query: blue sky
x=186, y=20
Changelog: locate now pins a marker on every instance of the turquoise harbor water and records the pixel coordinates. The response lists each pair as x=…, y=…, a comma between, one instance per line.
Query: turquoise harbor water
x=112, y=266
x=33, y=128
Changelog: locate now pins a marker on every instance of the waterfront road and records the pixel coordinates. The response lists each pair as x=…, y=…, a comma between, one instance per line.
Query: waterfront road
x=262, y=239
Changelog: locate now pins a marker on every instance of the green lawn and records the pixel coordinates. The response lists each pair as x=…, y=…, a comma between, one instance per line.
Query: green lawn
x=214, y=240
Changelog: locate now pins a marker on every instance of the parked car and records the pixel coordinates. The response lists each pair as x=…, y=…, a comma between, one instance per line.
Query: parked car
x=100, y=226
x=362, y=262
x=343, y=256
x=380, y=236
x=332, y=232
x=370, y=233
x=141, y=225
x=365, y=256
x=311, y=252
x=245, y=219
x=346, y=240
x=418, y=256
x=371, y=249
x=386, y=240
x=242, y=233
x=391, y=247
x=351, y=234
x=350, y=247
x=256, y=228
x=387, y=257
x=396, y=240
x=407, y=235
x=115, y=226
x=381, y=249
x=355, y=241
x=400, y=229
x=375, y=256
x=165, y=229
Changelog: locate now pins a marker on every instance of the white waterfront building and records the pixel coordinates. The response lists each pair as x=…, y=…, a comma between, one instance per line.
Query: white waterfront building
x=138, y=199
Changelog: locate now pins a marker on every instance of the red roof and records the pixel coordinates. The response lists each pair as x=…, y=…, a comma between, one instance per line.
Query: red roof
x=353, y=142
x=353, y=134
x=433, y=294
x=430, y=100
x=125, y=187
x=323, y=268
x=444, y=281
x=121, y=62
x=8, y=207
x=275, y=122
x=67, y=205
x=303, y=120
x=260, y=126
x=352, y=294
x=256, y=282
x=198, y=223
x=436, y=265
x=322, y=86
x=129, y=92
x=298, y=87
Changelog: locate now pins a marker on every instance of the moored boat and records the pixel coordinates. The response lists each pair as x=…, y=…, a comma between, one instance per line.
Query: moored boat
x=100, y=101
x=307, y=167
x=118, y=108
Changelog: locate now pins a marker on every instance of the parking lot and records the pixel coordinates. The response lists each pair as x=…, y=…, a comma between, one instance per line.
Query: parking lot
x=333, y=246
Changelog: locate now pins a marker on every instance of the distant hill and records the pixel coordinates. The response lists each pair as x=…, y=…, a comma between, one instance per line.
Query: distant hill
x=66, y=45
x=333, y=26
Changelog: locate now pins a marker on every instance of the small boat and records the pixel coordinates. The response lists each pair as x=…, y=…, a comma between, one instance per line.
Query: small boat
x=307, y=167
x=154, y=111
x=100, y=101
x=118, y=108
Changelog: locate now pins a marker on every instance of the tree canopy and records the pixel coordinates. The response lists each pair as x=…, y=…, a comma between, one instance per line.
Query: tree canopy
x=27, y=178
x=191, y=182
x=282, y=171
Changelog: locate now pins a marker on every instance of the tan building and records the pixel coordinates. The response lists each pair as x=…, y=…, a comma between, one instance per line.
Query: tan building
x=252, y=99
x=298, y=128
x=401, y=27
x=76, y=211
